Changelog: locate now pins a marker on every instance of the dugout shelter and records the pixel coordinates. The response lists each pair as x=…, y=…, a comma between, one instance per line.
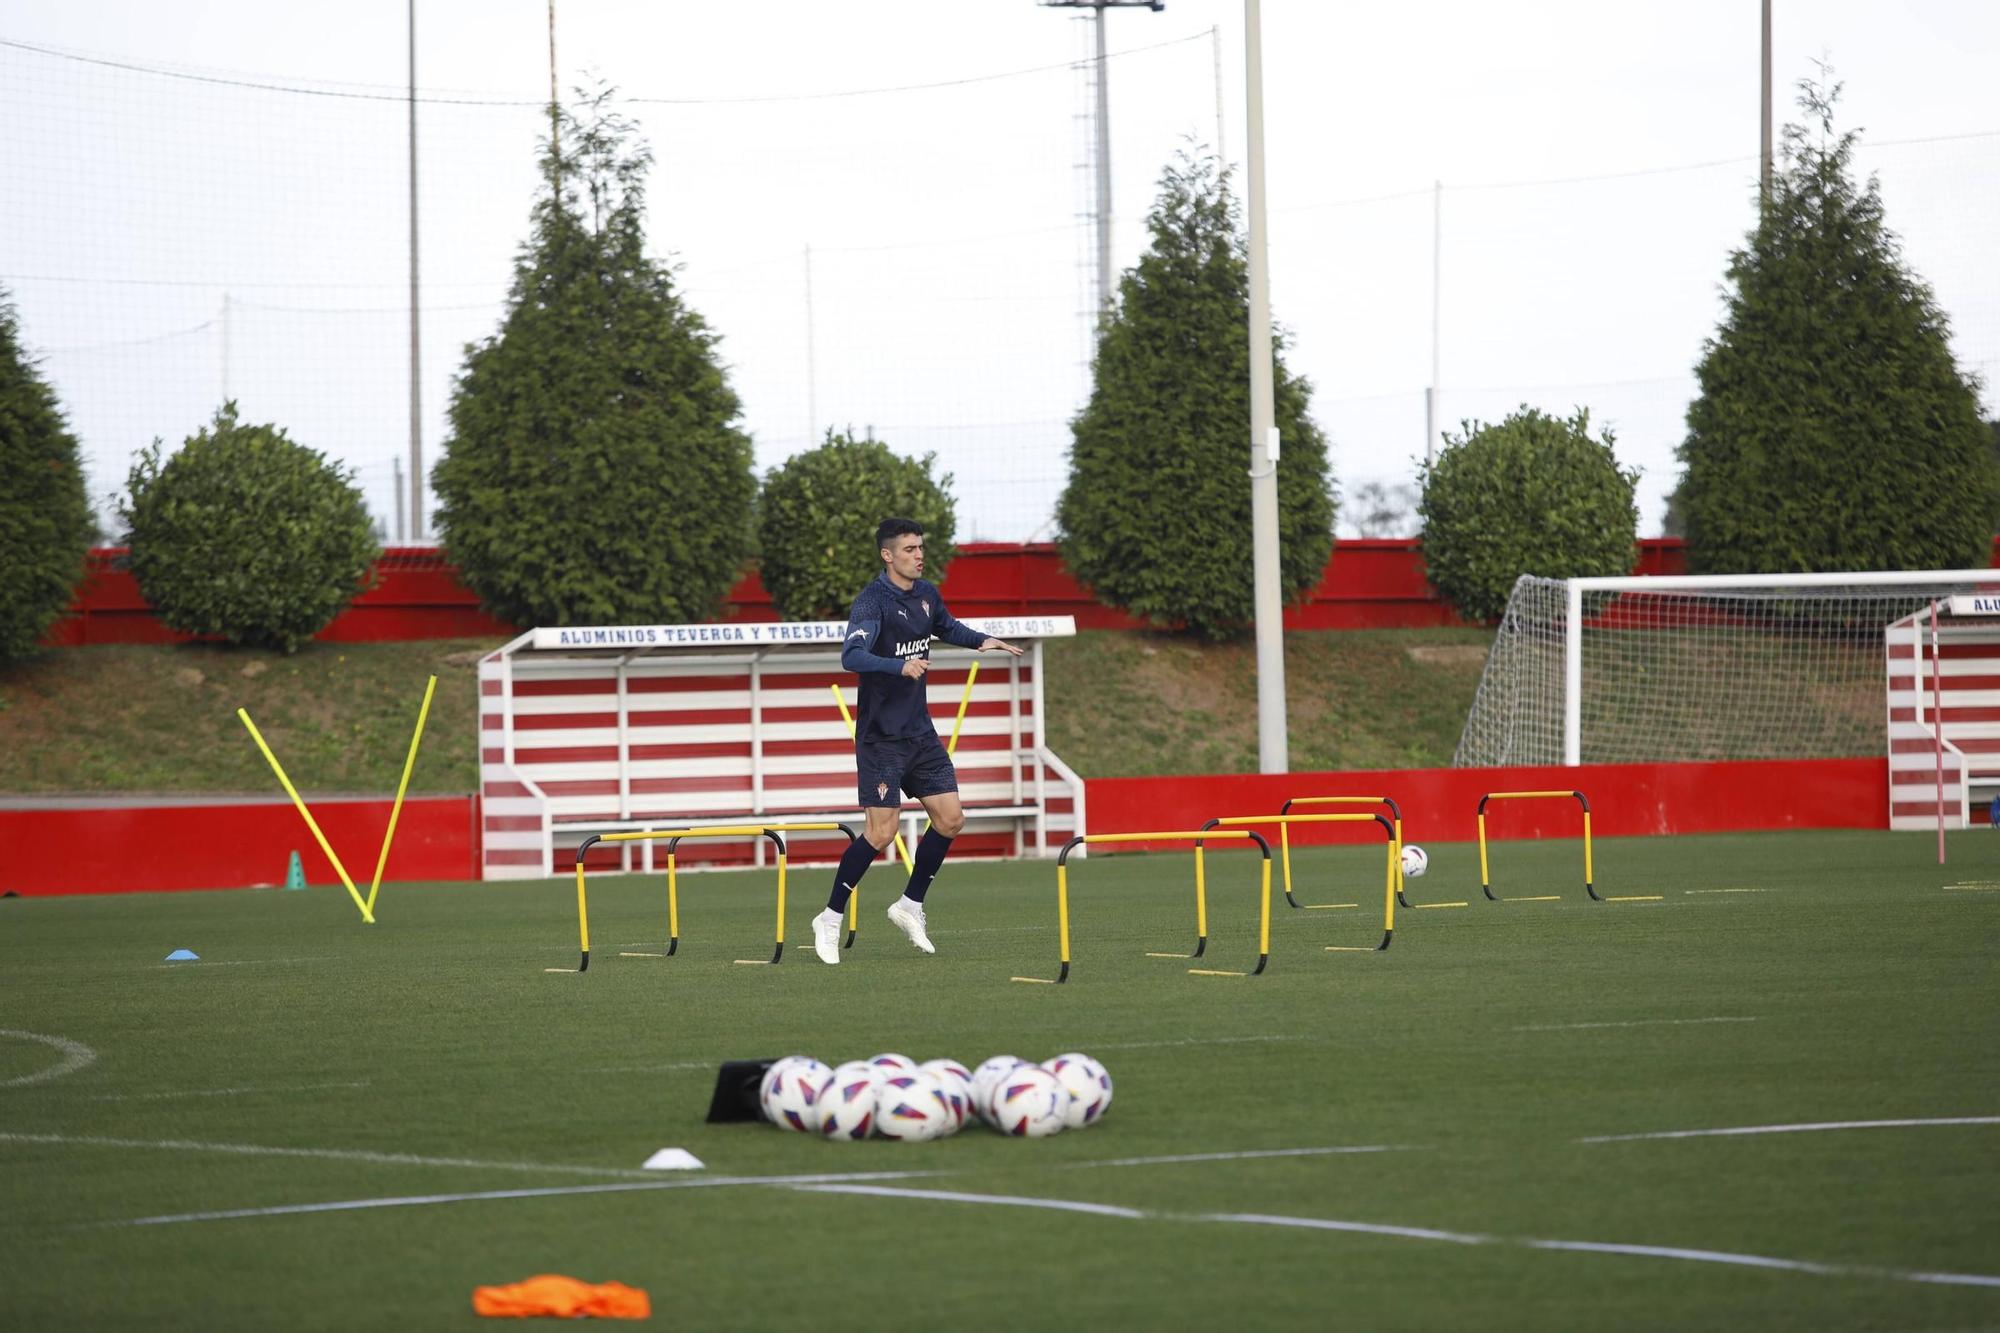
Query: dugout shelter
x=616, y=728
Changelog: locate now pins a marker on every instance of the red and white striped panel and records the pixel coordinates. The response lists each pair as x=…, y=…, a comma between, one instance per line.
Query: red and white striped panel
x=1966, y=674
x=690, y=738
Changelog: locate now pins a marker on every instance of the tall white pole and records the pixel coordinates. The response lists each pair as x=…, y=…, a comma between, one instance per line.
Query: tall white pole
x=1573, y=673
x=1272, y=746
x=1437, y=322
x=1215, y=46
x=1103, y=172
x=416, y=352
x=1764, y=166
x=812, y=360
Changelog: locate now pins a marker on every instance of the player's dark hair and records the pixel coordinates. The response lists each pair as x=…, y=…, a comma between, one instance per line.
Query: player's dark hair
x=892, y=528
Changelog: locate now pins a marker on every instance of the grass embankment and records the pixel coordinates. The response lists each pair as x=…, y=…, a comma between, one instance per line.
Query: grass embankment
x=163, y=719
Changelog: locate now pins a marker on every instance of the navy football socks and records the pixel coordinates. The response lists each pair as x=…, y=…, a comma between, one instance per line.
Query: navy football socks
x=853, y=865
x=924, y=865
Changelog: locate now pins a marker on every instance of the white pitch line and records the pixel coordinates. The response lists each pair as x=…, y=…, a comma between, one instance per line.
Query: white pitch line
x=994, y=1200
x=324, y=1154
x=1631, y=1023
x=484, y=1196
x=1245, y=1155
x=1802, y=1128
x=75, y=1055
x=1193, y=1041
x=198, y=963
x=1671, y=1252
x=216, y=1092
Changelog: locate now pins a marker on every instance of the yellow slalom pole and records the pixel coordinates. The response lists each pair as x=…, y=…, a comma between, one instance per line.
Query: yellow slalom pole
x=1391, y=883
x=781, y=899
x=396, y=811
x=951, y=746
x=1062, y=913
x=847, y=717
x=1200, y=902
x=1264, y=916
x=1285, y=850
x=1588, y=878
x=311, y=823
x=1485, y=882
x=673, y=908
x=582, y=918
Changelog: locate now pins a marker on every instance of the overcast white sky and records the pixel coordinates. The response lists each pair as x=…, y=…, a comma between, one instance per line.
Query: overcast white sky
x=172, y=239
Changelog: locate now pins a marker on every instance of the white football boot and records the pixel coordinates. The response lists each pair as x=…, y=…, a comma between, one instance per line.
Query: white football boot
x=826, y=935
x=909, y=917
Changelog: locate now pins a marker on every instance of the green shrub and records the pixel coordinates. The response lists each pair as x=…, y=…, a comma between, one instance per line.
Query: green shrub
x=244, y=535
x=817, y=515
x=1156, y=515
x=1833, y=431
x=45, y=522
x=595, y=473
x=1532, y=495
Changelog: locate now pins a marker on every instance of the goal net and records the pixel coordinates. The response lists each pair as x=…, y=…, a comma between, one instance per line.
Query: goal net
x=1693, y=668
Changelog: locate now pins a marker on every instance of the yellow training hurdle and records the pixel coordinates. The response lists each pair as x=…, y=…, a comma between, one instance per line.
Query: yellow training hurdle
x=1390, y=885
x=1196, y=837
x=673, y=837
x=1485, y=881
x=1285, y=837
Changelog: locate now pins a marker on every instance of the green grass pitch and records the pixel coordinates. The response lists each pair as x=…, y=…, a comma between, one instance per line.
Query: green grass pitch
x=1781, y=979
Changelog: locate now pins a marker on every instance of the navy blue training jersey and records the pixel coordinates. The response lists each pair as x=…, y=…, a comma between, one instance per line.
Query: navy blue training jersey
x=886, y=627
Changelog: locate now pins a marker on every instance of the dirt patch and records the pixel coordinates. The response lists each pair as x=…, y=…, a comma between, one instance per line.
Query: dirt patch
x=1448, y=654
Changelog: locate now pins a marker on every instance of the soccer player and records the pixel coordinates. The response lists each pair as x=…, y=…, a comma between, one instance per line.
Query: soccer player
x=896, y=746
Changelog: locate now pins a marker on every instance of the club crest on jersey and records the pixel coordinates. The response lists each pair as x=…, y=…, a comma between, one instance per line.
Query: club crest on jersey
x=925, y=605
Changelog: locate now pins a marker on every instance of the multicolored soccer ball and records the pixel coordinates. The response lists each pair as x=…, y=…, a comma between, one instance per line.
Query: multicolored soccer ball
x=955, y=1081
x=1088, y=1084
x=889, y=1060
x=847, y=1107
x=909, y=1105
x=1415, y=862
x=1029, y=1102
x=983, y=1079
x=791, y=1091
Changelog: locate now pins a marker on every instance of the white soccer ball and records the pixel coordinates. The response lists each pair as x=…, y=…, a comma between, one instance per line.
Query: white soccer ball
x=1415, y=862
x=909, y=1105
x=791, y=1092
x=983, y=1079
x=1088, y=1084
x=956, y=1082
x=847, y=1107
x=889, y=1060
x=1029, y=1102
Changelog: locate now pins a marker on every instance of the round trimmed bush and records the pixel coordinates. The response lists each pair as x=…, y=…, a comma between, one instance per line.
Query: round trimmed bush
x=817, y=515
x=1534, y=494
x=45, y=523
x=245, y=535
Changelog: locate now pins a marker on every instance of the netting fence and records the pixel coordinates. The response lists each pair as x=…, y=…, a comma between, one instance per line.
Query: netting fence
x=173, y=237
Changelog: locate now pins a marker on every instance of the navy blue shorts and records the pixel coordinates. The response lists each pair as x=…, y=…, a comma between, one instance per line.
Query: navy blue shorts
x=916, y=765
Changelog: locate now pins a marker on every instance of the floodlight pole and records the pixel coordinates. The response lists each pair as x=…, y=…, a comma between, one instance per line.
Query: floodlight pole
x=1764, y=168
x=416, y=346
x=1272, y=746
x=1103, y=135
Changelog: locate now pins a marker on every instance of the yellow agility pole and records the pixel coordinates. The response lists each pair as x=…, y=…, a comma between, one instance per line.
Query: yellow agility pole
x=1389, y=891
x=847, y=717
x=396, y=811
x=1285, y=837
x=311, y=823
x=1196, y=837
x=1485, y=881
x=673, y=838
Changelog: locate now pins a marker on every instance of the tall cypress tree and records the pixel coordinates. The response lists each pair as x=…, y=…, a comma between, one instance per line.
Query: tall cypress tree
x=45, y=521
x=595, y=472
x=1834, y=431
x=1156, y=515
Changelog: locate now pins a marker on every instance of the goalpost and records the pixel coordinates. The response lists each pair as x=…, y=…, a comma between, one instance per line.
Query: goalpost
x=1711, y=667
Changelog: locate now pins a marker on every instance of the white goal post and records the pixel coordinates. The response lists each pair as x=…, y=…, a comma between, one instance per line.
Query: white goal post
x=1671, y=668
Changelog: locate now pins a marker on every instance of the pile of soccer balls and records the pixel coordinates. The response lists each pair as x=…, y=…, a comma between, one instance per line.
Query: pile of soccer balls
x=894, y=1097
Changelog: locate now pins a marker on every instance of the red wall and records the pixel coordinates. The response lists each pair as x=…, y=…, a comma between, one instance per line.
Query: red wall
x=46, y=851
x=1441, y=804
x=142, y=848
x=1368, y=584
